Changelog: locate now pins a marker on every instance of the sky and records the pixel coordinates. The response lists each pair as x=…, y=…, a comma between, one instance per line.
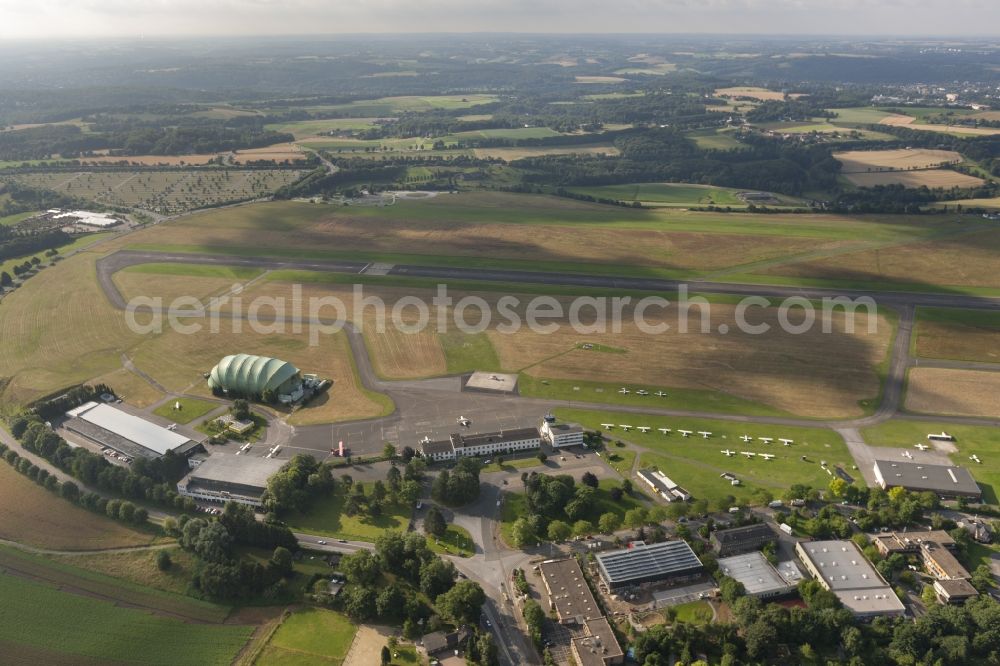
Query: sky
x=32, y=19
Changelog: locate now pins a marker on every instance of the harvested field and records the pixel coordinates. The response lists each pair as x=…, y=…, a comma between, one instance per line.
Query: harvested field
x=763, y=94
x=37, y=517
x=131, y=388
x=992, y=204
x=909, y=123
x=807, y=375
x=965, y=260
x=165, y=191
x=279, y=152
x=961, y=335
x=511, y=154
x=953, y=392
x=599, y=79
x=931, y=178
x=866, y=161
x=151, y=160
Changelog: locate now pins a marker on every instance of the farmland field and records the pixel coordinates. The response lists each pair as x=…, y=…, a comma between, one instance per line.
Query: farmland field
x=40, y=617
x=763, y=94
x=953, y=391
x=960, y=130
x=672, y=194
x=309, y=636
x=279, y=152
x=35, y=516
x=164, y=191
x=866, y=161
x=511, y=154
x=139, y=567
x=992, y=204
x=393, y=106
x=696, y=464
x=931, y=178
x=715, y=139
x=962, y=335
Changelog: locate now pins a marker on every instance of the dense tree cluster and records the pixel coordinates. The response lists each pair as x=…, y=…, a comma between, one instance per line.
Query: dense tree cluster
x=300, y=481
x=459, y=485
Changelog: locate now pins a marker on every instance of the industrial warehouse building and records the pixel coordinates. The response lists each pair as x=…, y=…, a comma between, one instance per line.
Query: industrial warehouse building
x=129, y=435
x=598, y=647
x=229, y=478
x=248, y=375
x=841, y=568
x=667, y=561
x=909, y=542
x=759, y=577
x=484, y=444
x=945, y=480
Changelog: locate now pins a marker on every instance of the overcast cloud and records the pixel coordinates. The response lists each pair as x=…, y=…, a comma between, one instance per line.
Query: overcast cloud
x=134, y=18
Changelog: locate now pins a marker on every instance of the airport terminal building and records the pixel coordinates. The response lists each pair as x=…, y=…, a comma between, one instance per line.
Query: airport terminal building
x=484, y=444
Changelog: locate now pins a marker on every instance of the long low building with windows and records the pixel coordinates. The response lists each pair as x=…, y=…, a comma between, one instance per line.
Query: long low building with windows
x=663, y=485
x=129, y=435
x=483, y=444
x=667, y=561
x=841, y=568
x=229, y=478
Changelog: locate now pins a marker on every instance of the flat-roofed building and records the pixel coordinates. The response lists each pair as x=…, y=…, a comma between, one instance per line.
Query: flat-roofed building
x=759, y=577
x=672, y=561
x=229, y=478
x=560, y=435
x=742, y=539
x=945, y=480
x=663, y=485
x=569, y=594
x=909, y=542
x=954, y=591
x=599, y=647
x=940, y=563
x=128, y=434
x=841, y=568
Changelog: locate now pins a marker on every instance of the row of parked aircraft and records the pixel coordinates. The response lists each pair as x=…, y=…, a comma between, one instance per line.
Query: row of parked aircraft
x=748, y=454
x=658, y=394
x=705, y=434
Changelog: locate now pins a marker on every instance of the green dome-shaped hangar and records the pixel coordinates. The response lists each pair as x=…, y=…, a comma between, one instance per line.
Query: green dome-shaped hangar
x=250, y=375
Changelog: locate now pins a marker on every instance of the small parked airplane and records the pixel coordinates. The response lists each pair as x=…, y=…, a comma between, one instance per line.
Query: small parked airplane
x=766, y=440
x=660, y=394
x=907, y=454
x=727, y=452
x=746, y=438
x=623, y=391
x=625, y=426
x=786, y=442
x=608, y=426
x=922, y=447
x=464, y=421
x=974, y=458
x=664, y=430
x=686, y=433
x=704, y=434
x=643, y=429
x=767, y=456
x=748, y=454
x=642, y=392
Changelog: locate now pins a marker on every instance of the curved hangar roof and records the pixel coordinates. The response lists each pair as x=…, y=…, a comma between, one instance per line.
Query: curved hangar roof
x=249, y=374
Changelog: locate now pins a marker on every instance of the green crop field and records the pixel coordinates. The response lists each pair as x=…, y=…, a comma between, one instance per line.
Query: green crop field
x=696, y=463
x=38, y=616
x=859, y=116
x=165, y=191
x=190, y=409
x=309, y=636
x=963, y=335
x=712, y=139
x=327, y=517
x=981, y=441
x=666, y=194
x=512, y=133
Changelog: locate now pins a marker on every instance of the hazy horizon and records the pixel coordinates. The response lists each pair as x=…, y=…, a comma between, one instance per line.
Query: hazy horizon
x=248, y=18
